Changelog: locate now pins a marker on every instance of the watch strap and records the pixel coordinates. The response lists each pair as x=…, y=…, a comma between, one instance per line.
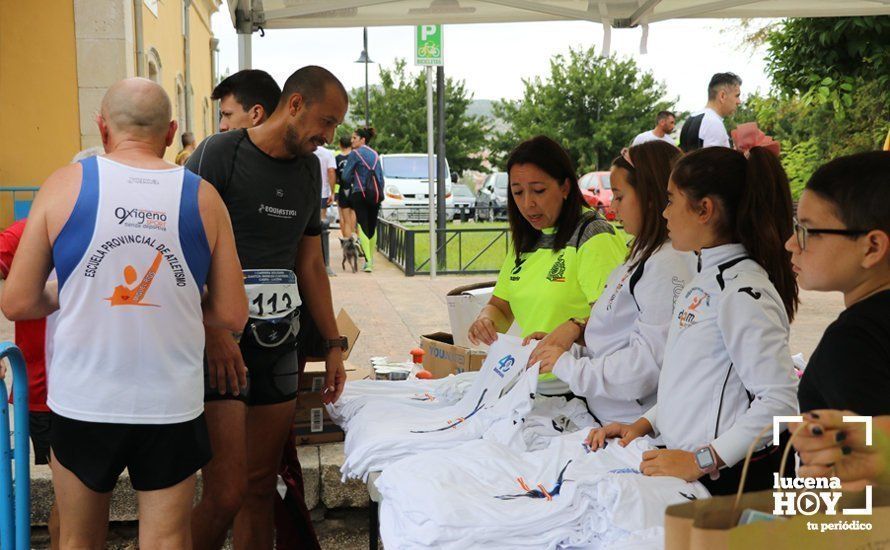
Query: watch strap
x=341, y=342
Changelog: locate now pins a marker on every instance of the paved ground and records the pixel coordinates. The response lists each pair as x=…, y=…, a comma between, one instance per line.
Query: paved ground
x=392, y=312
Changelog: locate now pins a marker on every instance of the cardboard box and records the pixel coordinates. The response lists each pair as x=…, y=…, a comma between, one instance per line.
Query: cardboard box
x=346, y=327
x=330, y=433
x=312, y=379
x=312, y=425
x=464, y=304
x=442, y=357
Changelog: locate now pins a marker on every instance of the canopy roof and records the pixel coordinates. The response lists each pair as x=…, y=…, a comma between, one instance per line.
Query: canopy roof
x=249, y=15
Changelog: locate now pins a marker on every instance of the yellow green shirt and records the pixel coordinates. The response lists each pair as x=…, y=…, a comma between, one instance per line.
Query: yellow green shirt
x=546, y=288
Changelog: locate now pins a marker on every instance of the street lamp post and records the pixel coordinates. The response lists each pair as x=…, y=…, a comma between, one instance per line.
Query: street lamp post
x=364, y=58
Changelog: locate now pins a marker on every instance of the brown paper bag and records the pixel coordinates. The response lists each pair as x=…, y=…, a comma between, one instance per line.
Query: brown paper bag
x=710, y=529
x=712, y=524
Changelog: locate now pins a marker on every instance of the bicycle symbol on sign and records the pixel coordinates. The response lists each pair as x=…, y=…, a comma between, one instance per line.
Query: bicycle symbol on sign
x=429, y=49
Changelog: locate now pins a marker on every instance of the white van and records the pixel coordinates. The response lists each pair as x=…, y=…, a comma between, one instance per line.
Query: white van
x=406, y=188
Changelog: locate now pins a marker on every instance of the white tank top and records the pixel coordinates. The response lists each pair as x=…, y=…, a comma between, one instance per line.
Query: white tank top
x=131, y=261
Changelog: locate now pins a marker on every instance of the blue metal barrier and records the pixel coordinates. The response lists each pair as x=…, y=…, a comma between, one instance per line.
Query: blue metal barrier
x=15, y=501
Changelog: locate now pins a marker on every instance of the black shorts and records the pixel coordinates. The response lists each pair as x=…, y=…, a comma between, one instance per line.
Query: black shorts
x=39, y=423
x=157, y=456
x=272, y=376
x=342, y=199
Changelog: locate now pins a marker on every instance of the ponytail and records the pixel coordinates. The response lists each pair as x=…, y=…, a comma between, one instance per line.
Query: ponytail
x=764, y=222
x=754, y=206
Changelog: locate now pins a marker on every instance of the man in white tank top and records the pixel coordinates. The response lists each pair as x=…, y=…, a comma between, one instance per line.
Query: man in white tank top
x=134, y=240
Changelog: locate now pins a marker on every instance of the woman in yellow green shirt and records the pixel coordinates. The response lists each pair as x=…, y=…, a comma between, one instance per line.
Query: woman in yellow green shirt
x=562, y=253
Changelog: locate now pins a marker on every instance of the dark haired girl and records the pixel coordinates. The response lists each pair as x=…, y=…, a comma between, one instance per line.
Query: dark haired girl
x=625, y=336
x=363, y=174
x=727, y=368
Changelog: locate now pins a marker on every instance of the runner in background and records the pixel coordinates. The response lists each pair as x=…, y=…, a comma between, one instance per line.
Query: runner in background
x=30, y=337
x=347, y=214
x=328, y=167
x=364, y=175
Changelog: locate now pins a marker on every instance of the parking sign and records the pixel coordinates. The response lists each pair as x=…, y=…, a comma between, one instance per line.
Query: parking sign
x=428, y=45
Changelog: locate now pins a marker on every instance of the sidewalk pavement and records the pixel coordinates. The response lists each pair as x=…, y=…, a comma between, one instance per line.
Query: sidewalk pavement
x=391, y=310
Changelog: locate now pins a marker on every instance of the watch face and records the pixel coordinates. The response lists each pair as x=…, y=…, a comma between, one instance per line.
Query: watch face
x=704, y=459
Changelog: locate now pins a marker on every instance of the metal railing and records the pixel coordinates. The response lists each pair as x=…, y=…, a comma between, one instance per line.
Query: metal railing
x=464, y=250
x=15, y=203
x=15, y=502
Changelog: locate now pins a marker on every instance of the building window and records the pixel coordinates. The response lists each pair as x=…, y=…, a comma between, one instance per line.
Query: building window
x=154, y=65
x=185, y=17
x=152, y=6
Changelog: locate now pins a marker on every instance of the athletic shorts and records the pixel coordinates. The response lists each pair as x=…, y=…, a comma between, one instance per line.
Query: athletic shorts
x=272, y=376
x=39, y=423
x=157, y=456
x=342, y=199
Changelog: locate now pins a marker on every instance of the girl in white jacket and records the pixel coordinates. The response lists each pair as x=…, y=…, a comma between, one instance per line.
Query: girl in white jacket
x=727, y=369
x=625, y=335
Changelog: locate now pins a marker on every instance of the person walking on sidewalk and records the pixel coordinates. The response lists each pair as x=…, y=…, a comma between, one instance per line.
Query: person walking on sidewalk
x=365, y=175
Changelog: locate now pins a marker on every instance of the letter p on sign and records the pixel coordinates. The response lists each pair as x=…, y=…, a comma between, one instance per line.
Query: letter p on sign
x=427, y=30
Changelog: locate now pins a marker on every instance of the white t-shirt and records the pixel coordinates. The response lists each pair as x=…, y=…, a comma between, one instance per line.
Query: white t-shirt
x=384, y=431
x=425, y=394
x=650, y=136
x=327, y=161
x=712, y=131
x=483, y=494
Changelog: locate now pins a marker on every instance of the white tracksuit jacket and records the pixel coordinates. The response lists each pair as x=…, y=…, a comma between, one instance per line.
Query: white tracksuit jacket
x=727, y=367
x=625, y=336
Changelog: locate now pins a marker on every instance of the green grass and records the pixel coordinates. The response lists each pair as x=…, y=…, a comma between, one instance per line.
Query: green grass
x=465, y=247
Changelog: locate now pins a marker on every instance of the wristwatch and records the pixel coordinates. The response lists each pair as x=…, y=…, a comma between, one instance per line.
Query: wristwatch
x=706, y=459
x=581, y=323
x=341, y=342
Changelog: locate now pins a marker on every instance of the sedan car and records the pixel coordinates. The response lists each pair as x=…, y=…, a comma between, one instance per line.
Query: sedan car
x=464, y=202
x=491, y=201
x=597, y=191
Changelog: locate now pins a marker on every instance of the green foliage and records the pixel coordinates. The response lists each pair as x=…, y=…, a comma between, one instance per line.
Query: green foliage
x=812, y=134
x=831, y=95
x=816, y=53
x=398, y=113
x=800, y=161
x=592, y=105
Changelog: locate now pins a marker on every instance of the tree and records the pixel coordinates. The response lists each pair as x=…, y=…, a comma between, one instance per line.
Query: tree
x=831, y=90
x=803, y=52
x=592, y=105
x=398, y=113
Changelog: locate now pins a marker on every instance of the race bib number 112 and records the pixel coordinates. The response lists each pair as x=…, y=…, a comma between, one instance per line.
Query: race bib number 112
x=271, y=293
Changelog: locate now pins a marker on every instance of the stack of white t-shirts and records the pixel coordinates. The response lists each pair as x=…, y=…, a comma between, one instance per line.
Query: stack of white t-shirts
x=553, y=417
x=483, y=494
x=383, y=432
x=422, y=393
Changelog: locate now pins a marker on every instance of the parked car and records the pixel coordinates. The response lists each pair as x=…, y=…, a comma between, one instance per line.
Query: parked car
x=406, y=186
x=597, y=191
x=491, y=200
x=464, y=202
